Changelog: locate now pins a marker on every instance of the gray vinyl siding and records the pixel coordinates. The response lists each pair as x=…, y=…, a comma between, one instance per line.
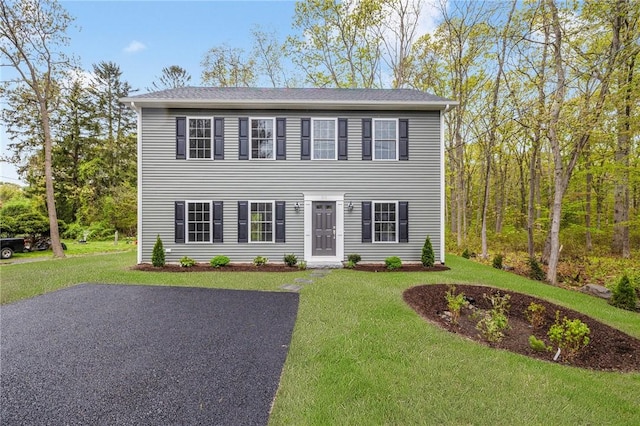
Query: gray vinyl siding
x=166, y=180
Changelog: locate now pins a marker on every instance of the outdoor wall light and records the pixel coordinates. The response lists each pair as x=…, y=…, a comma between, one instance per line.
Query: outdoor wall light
x=350, y=206
x=297, y=206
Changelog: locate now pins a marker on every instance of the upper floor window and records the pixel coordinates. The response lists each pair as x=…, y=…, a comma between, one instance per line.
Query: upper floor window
x=198, y=221
x=385, y=221
x=385, y=139
x=199, y=138
x=262, y=138
x=324, y=139
x=262, y=221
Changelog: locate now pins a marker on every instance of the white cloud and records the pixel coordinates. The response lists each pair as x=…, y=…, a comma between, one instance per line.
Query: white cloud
x=134, y=47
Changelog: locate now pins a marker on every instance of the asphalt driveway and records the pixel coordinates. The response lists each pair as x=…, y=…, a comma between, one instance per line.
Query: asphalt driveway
x=113, y=354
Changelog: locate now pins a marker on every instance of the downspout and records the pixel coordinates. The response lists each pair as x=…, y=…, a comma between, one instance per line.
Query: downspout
x=139, y=178
x=442, y=185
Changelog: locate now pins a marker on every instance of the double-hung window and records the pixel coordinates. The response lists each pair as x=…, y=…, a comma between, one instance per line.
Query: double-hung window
x=199, y=137
x=261, y=216
x=262, y=138
x=385, y=222
x=324, y=139
x=385, y=139
x=198, y=221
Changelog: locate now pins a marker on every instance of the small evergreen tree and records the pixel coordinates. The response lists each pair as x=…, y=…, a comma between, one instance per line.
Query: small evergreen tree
x=624, y=295
x=535, y=271
x=428, y=259
x=157, y=256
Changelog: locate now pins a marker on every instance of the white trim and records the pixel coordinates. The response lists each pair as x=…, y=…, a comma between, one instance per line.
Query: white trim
x=273, y=221
x=442, y=192
x=309, y=198
x=139, y=171
x=373, y=221
x=188, y=142
x=335, y=139
x=186, y=221
x=373, y=139
x=273, y=139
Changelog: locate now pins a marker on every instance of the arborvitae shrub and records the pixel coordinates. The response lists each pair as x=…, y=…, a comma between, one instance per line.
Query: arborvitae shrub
x=428, y=259
x=157, y=256
x=535, y=270
x=466, y=254
x=624, y=295
x=497, y=261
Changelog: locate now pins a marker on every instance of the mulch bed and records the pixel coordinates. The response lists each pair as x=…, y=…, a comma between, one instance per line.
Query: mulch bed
x=277, y=267
x=609, y=349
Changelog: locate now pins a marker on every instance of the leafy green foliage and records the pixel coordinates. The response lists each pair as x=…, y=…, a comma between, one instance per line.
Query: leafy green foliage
x=495, y=321
x=497, y=261
x=219, y=261
x=157, y=256
x=535, y=314
x=455, y=302
x=466, y=254
x=187, y=262
x=537, y=344
x=535, y=270
x=260, y=260
x=354, y=258
x=349, y=264
x=393, y=263
x=624, y=295
x=290, y=259
x=570, y=336
x=428, y=258
x=302, y=265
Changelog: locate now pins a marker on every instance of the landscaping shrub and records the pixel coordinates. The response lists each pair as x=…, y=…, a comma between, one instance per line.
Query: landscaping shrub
x=428, y=259
x=537, y=344
x=535, y=270
x=569, y=336
x=535, y=314
x=260, y=261
x=495, y=321
x=349, y=264
x=355, y=258
x=497, y=261
x=219, y=261
x=393, y=263
x=302, y=265
x=157, y=256
x=624, y=295
x=455, y=302
x=466, y=254
x=290, y=259
x=187, y=262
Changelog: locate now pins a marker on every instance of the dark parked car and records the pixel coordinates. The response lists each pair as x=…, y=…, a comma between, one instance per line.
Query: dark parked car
x=10, y=246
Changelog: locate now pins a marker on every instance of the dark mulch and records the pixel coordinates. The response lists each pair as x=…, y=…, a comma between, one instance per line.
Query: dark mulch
x=278, y=267
x=609, y=348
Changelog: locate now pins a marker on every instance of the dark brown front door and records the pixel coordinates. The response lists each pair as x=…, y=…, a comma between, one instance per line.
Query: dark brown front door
x=324, y=228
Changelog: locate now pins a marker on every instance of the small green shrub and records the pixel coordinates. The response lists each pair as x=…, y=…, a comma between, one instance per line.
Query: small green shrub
x=455, y=302
x=569, y=336
x=624, y=295
x=535, y=314
x=497, y=261
x=302, y=265
x=495, y=321
x=290, y=259
x=428, y=258
x=535, y=270
x=349, y=264
x=187, y=262
x=537, y=344
x=393, y=263
x=355, y=258
x=466, y=254
x=260, y=260
x=219, y=261
x=157, y=256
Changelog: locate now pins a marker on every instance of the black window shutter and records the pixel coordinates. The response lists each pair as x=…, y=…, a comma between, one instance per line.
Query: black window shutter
x=243, y=221
x=403, y=225
x=243, y=138
x=305, y=139
x=366, y=139
x=181, y=138
x=280, y=216
x=281, y=138
x=217, y=221
x=366, y=221
x=218, y=138
x=179, y=222
x=342, y=139
x=404, y=139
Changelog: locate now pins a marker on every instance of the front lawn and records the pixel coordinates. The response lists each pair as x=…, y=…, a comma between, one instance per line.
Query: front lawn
x=359, y=355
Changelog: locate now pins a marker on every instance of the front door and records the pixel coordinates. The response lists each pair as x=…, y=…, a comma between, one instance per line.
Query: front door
x=324, y=228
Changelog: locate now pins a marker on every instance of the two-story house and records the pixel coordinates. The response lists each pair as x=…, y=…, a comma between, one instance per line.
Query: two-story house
x=320, y=173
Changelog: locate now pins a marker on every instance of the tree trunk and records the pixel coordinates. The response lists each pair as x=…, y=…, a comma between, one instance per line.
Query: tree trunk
x=587, y=211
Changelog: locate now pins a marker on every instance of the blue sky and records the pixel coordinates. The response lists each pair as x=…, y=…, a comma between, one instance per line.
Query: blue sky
x=142, y=37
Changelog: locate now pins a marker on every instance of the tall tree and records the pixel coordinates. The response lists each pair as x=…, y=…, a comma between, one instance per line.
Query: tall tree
x=269, y=53
x=32, y=33
x=225, y=66
x=171, y=77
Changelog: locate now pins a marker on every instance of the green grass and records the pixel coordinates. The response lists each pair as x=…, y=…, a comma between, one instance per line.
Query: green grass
x=74, y=248
x=359, y=355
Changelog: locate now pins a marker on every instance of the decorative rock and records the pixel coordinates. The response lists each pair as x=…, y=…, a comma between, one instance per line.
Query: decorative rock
x=596, y=290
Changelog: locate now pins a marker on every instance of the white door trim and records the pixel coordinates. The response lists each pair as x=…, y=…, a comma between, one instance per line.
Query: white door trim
x=309, y=198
